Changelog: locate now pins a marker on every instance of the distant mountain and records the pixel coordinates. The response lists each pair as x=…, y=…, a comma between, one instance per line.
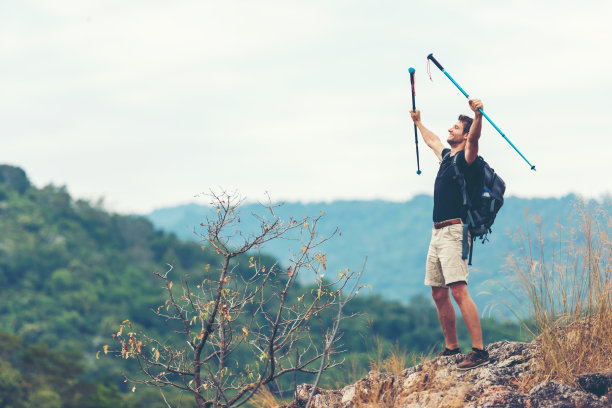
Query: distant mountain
x=395, y=238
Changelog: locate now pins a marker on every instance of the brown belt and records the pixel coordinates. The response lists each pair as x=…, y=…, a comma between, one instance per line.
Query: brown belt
x=442, y=224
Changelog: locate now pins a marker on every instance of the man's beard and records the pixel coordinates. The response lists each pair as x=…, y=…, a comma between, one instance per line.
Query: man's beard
x=452, y=142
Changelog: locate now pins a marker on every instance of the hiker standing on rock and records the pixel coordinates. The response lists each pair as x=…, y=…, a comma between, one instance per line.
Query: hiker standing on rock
x=446, y=267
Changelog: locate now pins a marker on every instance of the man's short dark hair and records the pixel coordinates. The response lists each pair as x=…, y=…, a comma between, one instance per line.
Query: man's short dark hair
x=467, y=123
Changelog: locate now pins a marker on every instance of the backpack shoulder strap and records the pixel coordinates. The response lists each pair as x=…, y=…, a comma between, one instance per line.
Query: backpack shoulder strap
x=446, y=155
x=460, y=178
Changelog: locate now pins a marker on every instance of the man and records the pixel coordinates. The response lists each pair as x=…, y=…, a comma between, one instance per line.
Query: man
x=445, y=267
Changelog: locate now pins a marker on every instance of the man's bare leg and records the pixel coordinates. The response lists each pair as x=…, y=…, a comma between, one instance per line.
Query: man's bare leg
x=469, y=313
x=446, y=314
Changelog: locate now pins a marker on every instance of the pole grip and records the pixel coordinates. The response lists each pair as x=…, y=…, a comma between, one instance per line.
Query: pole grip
x=411, y=70
x=432, y=59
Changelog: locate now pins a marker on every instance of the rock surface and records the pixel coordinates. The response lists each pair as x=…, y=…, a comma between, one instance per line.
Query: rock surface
x=598, y=384
x=437, y=383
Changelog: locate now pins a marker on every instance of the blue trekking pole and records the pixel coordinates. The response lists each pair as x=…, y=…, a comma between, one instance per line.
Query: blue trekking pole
x=416, y=140
x=431, y=57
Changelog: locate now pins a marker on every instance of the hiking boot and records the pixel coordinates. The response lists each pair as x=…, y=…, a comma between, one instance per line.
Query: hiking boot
x=475, y=358
x=448, y=352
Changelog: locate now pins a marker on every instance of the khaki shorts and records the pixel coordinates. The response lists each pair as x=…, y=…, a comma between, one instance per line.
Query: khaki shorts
x=444, y=263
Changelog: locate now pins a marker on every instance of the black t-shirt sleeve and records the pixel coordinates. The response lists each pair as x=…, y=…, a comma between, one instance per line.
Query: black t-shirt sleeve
x=468, y=170
x=461, y=162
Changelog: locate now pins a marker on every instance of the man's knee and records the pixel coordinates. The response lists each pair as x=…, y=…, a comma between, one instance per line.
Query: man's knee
x=439, y=294
x=459, y=291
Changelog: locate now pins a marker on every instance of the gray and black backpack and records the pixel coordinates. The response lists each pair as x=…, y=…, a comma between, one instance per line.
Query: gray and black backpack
x=480, y=203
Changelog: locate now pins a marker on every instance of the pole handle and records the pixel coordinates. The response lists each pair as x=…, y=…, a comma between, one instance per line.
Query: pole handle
x=432, y=59
x=411, y=71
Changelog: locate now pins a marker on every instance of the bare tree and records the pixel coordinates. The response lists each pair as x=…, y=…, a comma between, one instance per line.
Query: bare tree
x=229, y=312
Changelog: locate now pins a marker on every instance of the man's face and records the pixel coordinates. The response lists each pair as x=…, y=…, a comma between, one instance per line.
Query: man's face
x=455, y=134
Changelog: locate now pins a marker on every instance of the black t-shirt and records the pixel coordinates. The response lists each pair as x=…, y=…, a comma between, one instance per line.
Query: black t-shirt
x=447, y=194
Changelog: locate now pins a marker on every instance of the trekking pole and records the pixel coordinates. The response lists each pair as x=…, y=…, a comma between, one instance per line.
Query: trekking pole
x=431, y=57
x=416, y=140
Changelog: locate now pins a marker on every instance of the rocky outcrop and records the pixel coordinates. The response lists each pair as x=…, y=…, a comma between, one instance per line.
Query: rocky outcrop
x=437, y=383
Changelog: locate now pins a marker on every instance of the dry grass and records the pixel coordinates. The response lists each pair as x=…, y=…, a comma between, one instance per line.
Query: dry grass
x=263, y=399
x=420, y=358
x=396, y=358
x=395, y=363
x=567, y=282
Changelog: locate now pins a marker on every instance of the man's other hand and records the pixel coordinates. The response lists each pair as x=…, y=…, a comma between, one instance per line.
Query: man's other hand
x=415, y=115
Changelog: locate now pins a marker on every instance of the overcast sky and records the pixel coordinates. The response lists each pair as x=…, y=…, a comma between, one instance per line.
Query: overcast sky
x=148, y=103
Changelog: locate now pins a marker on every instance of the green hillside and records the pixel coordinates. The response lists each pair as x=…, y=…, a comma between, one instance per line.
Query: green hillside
x=71, y=272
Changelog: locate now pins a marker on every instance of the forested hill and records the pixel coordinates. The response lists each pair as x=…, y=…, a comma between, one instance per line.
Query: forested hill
x=70, y=273
x=395, y=238
x=69, y=269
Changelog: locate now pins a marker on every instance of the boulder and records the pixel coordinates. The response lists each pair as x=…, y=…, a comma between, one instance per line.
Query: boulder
x=598, y=384
x=554, y=394
x=437, y=383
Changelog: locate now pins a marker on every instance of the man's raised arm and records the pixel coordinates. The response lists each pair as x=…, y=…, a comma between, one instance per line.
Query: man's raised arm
x=471, y=146
x=430, y=138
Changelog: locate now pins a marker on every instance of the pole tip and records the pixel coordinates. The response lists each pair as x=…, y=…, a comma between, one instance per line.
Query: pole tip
x=419, y=172
x=411, y=70
x=533, y=168
x=430, y=55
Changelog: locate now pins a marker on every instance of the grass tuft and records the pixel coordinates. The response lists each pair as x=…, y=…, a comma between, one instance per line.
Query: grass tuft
x=394, y=363
x=567, y=281
x=263, y=399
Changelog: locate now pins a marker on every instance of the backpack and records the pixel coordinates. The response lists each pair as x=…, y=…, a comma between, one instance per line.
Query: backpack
x=480, y=205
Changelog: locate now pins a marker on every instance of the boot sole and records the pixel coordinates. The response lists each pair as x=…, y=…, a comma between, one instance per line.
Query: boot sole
x=474, y=366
